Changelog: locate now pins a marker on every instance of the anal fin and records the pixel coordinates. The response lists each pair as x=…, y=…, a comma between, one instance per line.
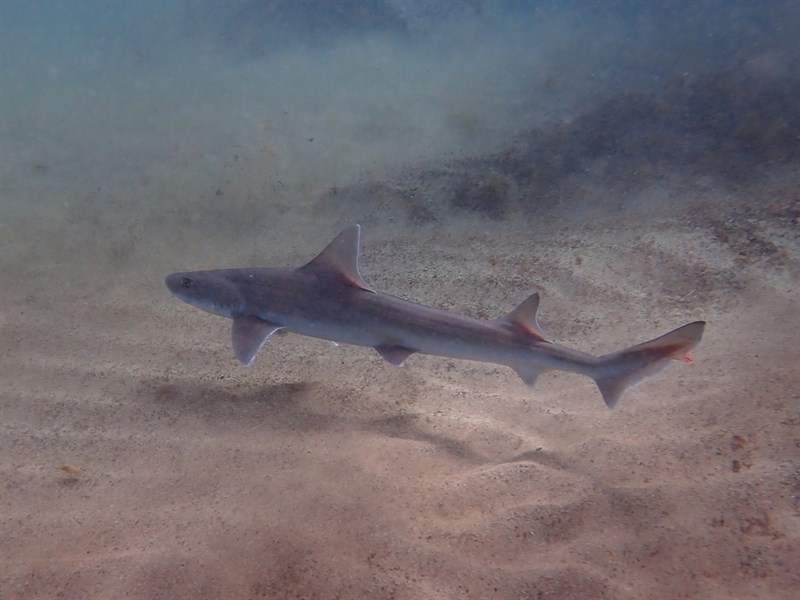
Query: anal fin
x=395, y=355
x=529, y=374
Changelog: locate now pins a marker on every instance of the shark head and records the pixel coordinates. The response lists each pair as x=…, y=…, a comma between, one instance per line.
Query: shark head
x=210, y=291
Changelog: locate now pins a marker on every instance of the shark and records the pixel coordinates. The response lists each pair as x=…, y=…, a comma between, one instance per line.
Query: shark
x=327, y=298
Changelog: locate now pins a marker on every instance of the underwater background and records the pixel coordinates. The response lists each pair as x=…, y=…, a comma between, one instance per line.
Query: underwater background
x=635, y=162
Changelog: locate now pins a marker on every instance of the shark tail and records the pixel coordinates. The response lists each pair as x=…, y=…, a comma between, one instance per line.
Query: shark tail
x=614, y=373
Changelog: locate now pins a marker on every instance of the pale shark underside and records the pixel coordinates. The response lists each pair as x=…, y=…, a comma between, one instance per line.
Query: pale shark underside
x=327, y=298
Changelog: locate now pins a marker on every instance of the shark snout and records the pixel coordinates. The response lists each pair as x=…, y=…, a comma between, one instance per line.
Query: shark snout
x=178, y=283
x=207, y=290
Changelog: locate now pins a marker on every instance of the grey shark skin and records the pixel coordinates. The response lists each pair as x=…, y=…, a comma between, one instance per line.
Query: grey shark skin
x=327, y=298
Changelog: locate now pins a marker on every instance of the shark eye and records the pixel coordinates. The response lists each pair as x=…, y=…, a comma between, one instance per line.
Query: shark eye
x=186, y=282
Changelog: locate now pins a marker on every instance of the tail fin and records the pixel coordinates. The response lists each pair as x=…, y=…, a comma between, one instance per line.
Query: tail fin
x=616, y=372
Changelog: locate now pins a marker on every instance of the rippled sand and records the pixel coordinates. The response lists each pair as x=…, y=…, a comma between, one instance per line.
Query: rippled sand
x=140, y=460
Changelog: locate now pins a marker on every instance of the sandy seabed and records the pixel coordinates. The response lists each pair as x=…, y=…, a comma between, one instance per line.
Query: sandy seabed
x=139, y=460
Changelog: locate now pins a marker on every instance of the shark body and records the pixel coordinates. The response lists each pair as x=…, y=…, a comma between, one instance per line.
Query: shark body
x=327, y=298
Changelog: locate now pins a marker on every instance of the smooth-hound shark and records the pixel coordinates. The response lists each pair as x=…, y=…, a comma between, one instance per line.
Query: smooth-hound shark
x=327, y=298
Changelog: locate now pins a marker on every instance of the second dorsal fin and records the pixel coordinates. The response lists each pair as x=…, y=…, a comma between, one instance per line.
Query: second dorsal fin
x=524, y=317
x=341, y=257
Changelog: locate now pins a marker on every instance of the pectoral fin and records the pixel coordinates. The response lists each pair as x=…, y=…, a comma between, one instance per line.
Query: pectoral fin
x=248, y=335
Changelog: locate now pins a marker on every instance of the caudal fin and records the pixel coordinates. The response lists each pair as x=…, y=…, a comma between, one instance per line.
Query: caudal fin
x=616, y=372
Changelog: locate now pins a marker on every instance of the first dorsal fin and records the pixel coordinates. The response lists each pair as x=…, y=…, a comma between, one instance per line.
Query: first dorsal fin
x=341, y=257
x=524, y=317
